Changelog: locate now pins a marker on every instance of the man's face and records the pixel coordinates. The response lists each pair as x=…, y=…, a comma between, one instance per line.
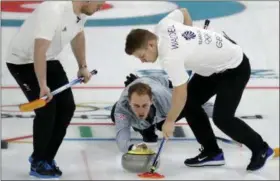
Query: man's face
x=91, y=7
x=141, y=105
x=148, y=53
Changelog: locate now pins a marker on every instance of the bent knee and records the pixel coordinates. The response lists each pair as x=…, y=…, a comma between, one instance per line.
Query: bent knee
x=220, y=118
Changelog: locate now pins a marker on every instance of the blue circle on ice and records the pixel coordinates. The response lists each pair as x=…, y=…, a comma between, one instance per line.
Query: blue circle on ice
x=199, y=10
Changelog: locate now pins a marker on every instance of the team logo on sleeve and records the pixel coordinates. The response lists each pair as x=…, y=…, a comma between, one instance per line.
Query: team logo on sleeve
x=120, y=116
x=188, y=35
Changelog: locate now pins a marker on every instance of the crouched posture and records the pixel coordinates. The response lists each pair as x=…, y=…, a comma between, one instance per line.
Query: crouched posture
x=221, y=68
x=32, y=62
x=143, y=105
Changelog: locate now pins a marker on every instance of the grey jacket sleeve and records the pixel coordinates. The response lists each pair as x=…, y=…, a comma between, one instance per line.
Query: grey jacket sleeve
x=123, y=134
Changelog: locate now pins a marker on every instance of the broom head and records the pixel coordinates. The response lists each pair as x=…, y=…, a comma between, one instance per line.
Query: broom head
x=30, y=106
x=151, y=175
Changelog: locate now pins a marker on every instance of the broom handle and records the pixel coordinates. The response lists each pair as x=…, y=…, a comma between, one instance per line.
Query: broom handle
x=157, y=155
x=206, y=24
x=70, y=84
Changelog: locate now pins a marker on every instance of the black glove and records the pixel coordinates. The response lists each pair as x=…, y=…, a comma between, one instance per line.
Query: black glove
x=170, y=84
x=130, y=79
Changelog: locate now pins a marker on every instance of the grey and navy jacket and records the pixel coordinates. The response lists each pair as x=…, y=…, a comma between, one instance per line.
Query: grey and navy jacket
x=125, y=117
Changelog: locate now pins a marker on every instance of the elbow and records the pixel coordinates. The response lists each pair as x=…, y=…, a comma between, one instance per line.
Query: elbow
x=122, y=146
x=123, y=149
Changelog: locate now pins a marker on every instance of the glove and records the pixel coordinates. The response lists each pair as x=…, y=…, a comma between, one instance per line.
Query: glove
x=130, y=79
x=170, y=84
x=140, y=149
x=141, y=146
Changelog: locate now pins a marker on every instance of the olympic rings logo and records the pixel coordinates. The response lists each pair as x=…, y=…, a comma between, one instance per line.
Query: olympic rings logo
x=207, y=38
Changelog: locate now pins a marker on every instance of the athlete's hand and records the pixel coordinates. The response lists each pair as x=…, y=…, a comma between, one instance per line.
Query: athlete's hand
x=83, y=72
x=168, y=128
x=141, y=146
x=45, y=91
x=130, y=78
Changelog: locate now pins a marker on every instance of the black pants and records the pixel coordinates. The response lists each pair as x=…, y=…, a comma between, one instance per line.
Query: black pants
x=50, y=122
x=228, y=88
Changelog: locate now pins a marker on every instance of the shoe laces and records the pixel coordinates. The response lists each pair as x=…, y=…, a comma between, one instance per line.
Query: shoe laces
x=201, y=149
x=45, y=165
x=202, y=152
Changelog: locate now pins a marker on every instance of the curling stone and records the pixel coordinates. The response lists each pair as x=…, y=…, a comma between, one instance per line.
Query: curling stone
x=138, y=161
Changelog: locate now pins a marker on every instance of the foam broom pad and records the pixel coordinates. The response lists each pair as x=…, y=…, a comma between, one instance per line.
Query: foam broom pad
x=149, y=175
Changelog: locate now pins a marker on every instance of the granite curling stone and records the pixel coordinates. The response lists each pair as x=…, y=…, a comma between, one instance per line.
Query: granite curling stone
x=137, y=161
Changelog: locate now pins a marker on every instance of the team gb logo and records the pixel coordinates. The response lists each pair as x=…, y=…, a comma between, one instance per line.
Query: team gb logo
x=188, y=35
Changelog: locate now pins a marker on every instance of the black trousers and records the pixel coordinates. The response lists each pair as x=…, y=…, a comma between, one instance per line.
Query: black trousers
x=50, y=122
x=228, y=88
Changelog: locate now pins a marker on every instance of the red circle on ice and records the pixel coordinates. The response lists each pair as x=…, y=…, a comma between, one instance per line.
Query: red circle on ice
x=19, y=6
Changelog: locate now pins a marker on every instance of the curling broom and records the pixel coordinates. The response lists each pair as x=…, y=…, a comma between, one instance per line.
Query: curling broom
x=152, y=173
x=206, y=24
x=41, y=102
